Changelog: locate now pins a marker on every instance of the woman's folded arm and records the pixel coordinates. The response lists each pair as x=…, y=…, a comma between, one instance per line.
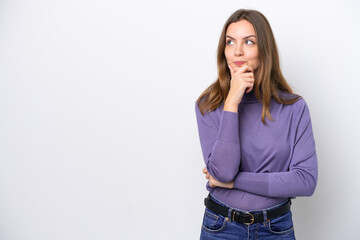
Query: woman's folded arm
x=301, y=177
x=220, y=144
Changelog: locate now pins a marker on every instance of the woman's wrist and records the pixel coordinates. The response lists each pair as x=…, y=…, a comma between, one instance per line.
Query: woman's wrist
x=231, y=107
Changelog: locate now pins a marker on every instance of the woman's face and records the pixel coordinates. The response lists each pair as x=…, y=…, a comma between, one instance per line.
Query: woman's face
x=241, y=45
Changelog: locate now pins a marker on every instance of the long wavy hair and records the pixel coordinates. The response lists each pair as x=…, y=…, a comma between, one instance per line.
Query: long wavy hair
x=268, y=77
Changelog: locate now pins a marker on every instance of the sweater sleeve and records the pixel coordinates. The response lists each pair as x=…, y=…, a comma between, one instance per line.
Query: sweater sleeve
x=301, y=177
x=220, y=143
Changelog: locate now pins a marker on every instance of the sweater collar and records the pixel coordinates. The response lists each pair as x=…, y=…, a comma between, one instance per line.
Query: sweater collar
x=249, y=97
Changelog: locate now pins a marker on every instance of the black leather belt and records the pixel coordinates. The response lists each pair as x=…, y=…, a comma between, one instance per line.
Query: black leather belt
x=247, y=218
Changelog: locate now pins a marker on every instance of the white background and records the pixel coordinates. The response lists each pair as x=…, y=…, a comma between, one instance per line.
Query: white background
x=98, y=135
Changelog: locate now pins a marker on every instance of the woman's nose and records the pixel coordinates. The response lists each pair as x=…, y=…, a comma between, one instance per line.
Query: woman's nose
x=239, y=50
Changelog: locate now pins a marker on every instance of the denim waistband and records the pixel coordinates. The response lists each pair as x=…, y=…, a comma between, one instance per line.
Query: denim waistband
x=241, y=210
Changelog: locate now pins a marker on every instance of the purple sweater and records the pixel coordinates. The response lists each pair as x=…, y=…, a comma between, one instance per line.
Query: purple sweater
x=268, y=163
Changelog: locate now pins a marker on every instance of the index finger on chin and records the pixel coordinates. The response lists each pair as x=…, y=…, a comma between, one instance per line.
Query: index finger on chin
x=249, y=68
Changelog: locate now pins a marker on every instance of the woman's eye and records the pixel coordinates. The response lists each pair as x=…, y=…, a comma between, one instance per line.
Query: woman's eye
x=249, y=42
x=228, y=42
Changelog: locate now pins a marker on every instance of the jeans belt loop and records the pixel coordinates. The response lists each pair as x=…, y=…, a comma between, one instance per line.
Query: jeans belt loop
x=265, y=216
x=229, y=213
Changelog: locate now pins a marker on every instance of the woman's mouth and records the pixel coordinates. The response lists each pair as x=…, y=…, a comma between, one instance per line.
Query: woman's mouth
x=239, y=63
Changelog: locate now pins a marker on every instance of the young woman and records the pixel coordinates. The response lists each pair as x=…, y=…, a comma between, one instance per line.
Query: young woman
x=256, y=137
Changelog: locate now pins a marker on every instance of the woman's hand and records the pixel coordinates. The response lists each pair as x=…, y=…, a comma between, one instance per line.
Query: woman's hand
x=215, y=183
x=242, y=78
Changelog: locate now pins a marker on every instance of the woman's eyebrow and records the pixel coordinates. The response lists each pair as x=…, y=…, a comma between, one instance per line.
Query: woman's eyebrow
x=244, y=37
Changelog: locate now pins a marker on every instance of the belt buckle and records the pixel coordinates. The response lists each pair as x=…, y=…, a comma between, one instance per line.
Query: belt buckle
x=252, y=218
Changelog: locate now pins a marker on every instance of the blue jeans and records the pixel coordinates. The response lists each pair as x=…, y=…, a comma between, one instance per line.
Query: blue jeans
x=216, y=226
